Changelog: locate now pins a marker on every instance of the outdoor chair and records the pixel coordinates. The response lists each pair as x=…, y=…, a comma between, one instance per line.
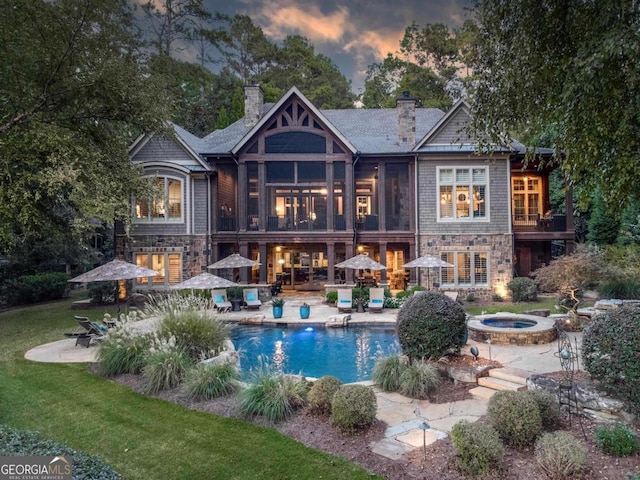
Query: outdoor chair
x=376, y=299
x=92, y=332
x=345, y=300
x=220, y=300
x=251, y=300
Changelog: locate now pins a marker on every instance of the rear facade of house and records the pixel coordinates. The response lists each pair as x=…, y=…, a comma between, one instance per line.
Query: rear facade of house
x=301, y=189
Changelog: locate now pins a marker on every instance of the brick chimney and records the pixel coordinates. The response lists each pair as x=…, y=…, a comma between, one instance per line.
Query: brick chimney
x=253, y=100
x=406, y=107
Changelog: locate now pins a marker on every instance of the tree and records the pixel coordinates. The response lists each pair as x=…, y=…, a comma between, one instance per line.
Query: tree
x=604, y=222
x=630, y=223
x=313, y=73
x=174, y=20
x=570, y=65
x=73, y=96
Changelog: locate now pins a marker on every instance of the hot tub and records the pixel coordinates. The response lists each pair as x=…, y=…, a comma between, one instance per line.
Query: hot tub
x=512, y=329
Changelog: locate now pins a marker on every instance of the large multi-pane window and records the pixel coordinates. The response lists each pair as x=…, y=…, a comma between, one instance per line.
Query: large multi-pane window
x=469, y=269
x=527, y=198
x=166, y=205
x=462, y=193
x=168, y=265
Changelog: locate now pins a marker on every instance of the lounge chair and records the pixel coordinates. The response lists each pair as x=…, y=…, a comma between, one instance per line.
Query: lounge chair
x=92, y=332
x=251, y=300
x=220, y=300
x=345, y=300
x=376, y=299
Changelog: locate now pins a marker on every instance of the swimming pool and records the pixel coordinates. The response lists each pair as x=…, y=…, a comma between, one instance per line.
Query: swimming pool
x=346, y=353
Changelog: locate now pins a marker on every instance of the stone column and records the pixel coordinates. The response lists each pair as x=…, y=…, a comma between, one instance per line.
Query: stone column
x=383, y=260
x=263, y=260
x=331, y=270
x=244, y=272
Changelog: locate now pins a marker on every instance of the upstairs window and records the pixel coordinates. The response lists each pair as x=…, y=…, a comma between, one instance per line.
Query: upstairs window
x=165, y=206
x=462, y=193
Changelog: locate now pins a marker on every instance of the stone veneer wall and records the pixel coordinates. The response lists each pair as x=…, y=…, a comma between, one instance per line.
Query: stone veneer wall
x=499, y=248
x=193, y=248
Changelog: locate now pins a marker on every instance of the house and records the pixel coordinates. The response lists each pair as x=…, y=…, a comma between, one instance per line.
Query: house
x=301, y=189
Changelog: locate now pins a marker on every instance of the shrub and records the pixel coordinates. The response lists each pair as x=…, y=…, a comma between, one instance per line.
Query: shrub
x=26, y=443
x=387, y=372
x=523, y=289
x=627, y=289
x=175, y=304
x=205, y=382
x=123, y=351
x=165, y=369
x=392, y=302
x=35, y=288
x=272, y=395
x=547, y=407
x=332, y=297
x=418, y=380
x=561, y=455
x=196, y=333
x=102, y=293
x=496, y=298
x=516, y=417
x=407, y=293
x=353, y=408
x=610, y=347
x=618, y=440
x=478, y=447
x=321, y=394
x=471, y=297
x=430, y=325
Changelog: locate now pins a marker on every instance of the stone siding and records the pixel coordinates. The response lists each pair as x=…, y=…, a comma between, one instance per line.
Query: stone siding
x=499, y=249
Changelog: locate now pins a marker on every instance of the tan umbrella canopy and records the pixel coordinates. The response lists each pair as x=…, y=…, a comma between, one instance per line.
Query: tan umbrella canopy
x=428, y=262
x=204, y=281
x=361, y=262
x=113, y=271
x=234, y=260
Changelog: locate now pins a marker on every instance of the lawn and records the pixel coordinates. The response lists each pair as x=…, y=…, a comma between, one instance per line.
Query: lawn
x=139, y=437
x=549, y=303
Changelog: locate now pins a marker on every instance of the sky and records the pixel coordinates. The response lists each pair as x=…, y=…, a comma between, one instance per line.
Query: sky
x=353, y=33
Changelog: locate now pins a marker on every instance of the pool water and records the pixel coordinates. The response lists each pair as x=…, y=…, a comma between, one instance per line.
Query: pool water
x=348, y=354
x=508, y=323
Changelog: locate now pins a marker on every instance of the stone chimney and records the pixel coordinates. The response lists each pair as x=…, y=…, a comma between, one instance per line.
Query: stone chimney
x=406, y=107
x=253, y=100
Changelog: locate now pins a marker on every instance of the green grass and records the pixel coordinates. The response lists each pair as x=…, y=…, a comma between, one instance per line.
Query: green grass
x=140, y=437
x=543, y=302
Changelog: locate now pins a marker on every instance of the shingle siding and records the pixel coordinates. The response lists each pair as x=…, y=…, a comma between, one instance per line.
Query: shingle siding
x=200, y=207
x=453, y=131
x=159, y=149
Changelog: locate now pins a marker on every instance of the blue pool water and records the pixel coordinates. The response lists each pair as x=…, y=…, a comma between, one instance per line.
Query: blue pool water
x=345, y=353
x=508, y=323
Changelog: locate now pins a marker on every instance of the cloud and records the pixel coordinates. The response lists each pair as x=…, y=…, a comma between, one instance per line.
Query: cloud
x=310, y=22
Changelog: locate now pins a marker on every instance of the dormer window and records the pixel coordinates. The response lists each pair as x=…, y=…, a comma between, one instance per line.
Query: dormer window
x=165, y=206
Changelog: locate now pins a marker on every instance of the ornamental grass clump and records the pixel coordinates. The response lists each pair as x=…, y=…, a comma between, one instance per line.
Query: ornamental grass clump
x=175, y=303
x=561, y=456
x=387, y=372
x=273, y=395
x=610, y=346
x=353, y=408
x=516, y=417
x=124, y=349
x=418, y=380
x=321, y=394
x=478, y=447
x=618, y=440
x=165, y=366
x=195, y=333
x=430, y=325
x=208, y=381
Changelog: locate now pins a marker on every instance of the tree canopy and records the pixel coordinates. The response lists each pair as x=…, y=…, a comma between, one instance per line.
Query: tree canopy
x=73, y=96
x=568, y=66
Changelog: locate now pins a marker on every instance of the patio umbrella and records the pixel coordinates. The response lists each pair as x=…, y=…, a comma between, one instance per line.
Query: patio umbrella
x=114, y=270
x=428, y=262
x=234, y=260
x=204, y=281
x=361, y=262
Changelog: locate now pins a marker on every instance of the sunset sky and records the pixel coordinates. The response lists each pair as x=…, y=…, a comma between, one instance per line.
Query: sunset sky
x=352, y=33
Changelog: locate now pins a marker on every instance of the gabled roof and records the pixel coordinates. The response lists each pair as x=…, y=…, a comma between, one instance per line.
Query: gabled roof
x=460, y=106
x=293, y=91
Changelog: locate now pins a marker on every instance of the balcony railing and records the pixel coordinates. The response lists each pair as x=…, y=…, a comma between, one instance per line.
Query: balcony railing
x=367, y=222
x=290, y=223
x=227, y=224
x=536, y=223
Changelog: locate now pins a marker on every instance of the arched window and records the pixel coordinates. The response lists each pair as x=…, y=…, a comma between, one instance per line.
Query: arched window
x=165, y=205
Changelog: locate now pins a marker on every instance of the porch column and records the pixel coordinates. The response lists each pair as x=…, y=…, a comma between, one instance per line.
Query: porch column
x=262, y=197
x=331, y=262
x=330, y=212
x=242, y=197
x=382, y=198
x=244, y=271
x=263, y=260
x=412, y=255
x=348, y=196
x=383, y=261
x=349, y=252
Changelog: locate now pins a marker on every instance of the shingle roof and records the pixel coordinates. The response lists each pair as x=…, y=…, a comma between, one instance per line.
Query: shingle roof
x=370, y=131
